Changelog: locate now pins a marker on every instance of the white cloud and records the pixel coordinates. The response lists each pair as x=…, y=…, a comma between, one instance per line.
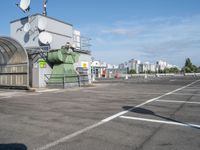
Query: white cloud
x=123, y=31
x=117, y=54
x=169, y=38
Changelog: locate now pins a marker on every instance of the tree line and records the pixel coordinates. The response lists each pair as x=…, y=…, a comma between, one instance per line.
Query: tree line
x=189, y=67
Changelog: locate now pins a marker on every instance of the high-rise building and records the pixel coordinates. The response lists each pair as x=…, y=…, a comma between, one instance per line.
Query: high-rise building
x=133, y=64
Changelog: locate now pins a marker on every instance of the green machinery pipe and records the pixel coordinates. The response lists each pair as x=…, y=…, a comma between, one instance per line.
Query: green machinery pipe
x=63, y=66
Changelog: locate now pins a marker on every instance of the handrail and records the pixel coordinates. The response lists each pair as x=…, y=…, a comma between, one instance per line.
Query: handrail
x=80, y=78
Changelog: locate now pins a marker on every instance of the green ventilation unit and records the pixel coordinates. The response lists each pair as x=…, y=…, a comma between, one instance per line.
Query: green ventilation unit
x=63, y=73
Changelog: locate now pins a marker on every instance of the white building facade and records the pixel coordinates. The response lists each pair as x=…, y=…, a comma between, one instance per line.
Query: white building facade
x=134, y=64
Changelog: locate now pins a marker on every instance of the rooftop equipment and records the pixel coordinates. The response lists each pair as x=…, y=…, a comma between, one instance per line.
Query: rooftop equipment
x=24, y=5
x=63, y=73
x=44, y=36
x=45, y=7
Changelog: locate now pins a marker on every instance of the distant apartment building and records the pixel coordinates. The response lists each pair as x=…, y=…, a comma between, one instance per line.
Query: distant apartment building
x=162, y=65
x=152, y=67
x=111, y=66
x=121, y=66
x=141, y=67
x=134, y=64
x=147, y=67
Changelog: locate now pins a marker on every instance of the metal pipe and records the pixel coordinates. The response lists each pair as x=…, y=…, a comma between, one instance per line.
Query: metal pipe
x=45, y=7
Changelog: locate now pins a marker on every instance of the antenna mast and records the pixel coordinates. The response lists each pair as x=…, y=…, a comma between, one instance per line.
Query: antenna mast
x=45, y=7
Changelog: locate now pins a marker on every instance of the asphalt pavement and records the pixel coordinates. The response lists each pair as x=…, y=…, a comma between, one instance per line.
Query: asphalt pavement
x=146, y=114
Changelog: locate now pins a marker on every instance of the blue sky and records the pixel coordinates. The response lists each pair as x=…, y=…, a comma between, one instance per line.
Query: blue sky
x=148, y=30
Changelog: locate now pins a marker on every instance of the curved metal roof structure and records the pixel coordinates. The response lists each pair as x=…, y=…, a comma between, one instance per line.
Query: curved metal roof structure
x=14, y=63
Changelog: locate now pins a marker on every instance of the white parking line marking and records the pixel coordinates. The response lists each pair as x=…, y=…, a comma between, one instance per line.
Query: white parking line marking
x=194, y=88
x=5, y=97
x=161, y=121
x=48, y=90
x=191, y=90
x=61, y=140
x=149, y=101
x=185, y=94
x=33, y=94
x=20, y=95
x=69, y=137
x=8, y=94
x=174, y=101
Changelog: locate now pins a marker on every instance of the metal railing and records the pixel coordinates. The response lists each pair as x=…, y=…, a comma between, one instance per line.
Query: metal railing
x=82, y=42
x=64, y=80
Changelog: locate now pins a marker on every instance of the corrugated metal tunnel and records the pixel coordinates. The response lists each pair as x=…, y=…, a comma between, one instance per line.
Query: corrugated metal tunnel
x=14, y=64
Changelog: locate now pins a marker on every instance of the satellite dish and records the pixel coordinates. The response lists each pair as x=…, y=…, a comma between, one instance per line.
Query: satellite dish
x=27, y=27
x=74, y=45
x=24, y=5
x=42, y=23
x=45, y=37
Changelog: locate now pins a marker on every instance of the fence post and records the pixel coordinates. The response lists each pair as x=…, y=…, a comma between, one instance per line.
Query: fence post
x=64, y=82
x=79, y=82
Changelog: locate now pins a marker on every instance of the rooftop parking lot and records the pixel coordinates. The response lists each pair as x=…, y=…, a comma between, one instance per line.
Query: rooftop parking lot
x=159, y=113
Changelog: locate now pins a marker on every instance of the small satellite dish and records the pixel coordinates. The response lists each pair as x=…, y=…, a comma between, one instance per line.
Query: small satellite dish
x=45, y=37
x=24, y=5
x=27, y=27
x=74, y=45
x=42, y=23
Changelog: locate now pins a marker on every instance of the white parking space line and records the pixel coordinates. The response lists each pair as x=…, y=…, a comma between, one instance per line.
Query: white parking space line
x=33, y=94
x=69, y=137
x=186, y=94
x=191, y=90
x=194, y=88
x=7, y=93
x=47, y=90
x=64, y=139
x=174, y=101
x=148, y=101
x=5, y=97
x=161, y=121
x=67, y=90
x=18, y=95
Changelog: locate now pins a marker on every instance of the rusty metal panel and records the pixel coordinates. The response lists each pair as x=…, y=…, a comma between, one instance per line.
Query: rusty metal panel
x=14, y=64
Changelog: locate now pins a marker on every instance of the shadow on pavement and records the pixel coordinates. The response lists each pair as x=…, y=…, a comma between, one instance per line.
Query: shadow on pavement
x=149, y=112
x=13, y=146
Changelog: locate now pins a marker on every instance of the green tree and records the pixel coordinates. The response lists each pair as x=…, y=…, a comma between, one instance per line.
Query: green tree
x=166, y=70
x=132, y=71
x=194, y=68
x=174, y=70
x=150, y=72
x=186, y=69
x=189, y=67
x=171, y=70
x=188, y=63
